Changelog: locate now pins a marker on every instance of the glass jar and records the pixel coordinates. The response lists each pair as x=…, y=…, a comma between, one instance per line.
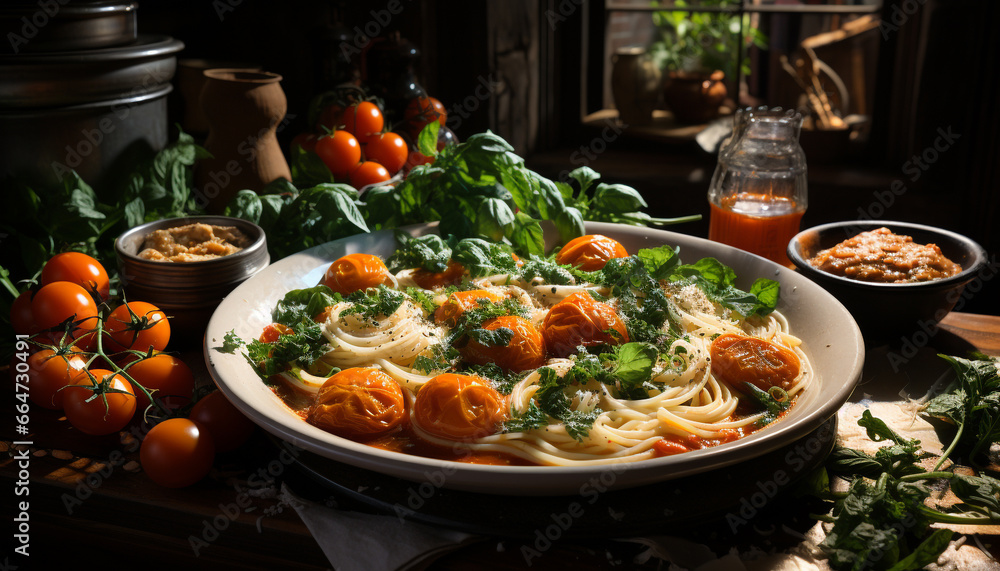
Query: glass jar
x=759, y=191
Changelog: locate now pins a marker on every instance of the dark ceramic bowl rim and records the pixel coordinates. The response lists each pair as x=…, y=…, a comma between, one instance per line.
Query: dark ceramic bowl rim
x=259, y=239
x=977, y=256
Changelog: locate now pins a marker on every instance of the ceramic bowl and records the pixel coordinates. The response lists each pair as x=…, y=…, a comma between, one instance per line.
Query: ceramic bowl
x=886, y=311
x=188, y=292
x=830, y=337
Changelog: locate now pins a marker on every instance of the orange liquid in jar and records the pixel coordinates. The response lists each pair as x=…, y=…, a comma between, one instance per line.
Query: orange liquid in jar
x=758, y=223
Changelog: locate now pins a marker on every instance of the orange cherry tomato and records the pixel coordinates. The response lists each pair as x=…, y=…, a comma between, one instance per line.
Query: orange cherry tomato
x=458, y=302
x=358, y=403
x=143, y=328
x=590, y=252
x=167, y=377
x=431, y=280
x=388, y=150
x=364, y=120
x=356, y=272
x=177, y=453
x=78, y=268
x=21, y=317
x=459, y=407
x=49, y=371
x=109, y=412
x=58, y=301
x=368, y=172
x=340, y=152
x=422, y=111
x=525, y=351
x=737, y=359
x=580, y=320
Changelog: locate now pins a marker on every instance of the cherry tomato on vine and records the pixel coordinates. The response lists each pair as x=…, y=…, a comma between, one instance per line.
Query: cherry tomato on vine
x=109, y=412
x=78, y=268
x=368, y=172
x=364, y=120
x=388, y=150
x=305, y=141
x=340, y=152
x=422, y=111
x=21, y=316
x=225, y=424
x=49, y=371
x=177, y=453
x=58, y=301
x=169, y=376
x=137, y=325
x=356, y=272
x=459, y=407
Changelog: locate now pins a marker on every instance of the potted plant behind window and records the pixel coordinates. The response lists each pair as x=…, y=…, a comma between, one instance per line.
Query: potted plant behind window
x=698, y=51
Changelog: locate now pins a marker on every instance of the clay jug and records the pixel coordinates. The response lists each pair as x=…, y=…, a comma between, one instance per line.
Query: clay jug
x=695, y=97
x=244, y=109
x=635, y=84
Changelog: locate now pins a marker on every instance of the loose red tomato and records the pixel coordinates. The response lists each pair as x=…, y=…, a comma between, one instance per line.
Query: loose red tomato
x=431, y=280
x=139, y=326
x=356, y=272
x=737, y=359
x=58, y=301
x=358, y=403
x=590, y=252
x=167, y=377
x=340, y=152
x=368, y=172
x=459, y=301
x=21, y=316
x=388, y=150
x=177, y=453
x=227, y=426
x=524, y=351
x=579, y=320
x=305, y=141
x=364, y=120
x=49, y=371
x=78, y=268
x=459, y=407
x=110, y=410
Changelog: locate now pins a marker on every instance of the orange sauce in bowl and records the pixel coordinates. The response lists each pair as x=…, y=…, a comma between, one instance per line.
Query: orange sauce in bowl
x=881, y=256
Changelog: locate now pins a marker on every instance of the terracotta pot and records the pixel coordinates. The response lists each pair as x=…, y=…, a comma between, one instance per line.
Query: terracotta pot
x=635, y=83
x=243, y=109
x=190, y=81
x=694, y=97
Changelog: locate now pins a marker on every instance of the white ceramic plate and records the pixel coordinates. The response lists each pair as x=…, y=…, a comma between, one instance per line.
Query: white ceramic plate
x=831, y=339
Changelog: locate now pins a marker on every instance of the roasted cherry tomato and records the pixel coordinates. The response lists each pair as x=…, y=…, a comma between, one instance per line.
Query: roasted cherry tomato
x=139, y=326
x=737, y=359
x=590, y=252
x=524, y=351
x=227, y=426
x=388, y=150
x=177, y=453
x=167, y=377
x=273, y=331
x=580, y=320
x=58, y=301
x=358, y=403
x=430, y=280
x=356, y=272
x=78, y=268
x=459, y=301
x=49, y=371
x=109, y=412
x=340, y=152
x=364, y=120
x=368, y=172
x=459, y=407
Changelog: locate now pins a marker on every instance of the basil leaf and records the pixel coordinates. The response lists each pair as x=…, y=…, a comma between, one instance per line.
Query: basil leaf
x=428, y=139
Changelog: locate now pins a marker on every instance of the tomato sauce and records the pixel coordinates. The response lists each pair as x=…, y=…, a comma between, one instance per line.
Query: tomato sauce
x=881, y=256
x=757, y=223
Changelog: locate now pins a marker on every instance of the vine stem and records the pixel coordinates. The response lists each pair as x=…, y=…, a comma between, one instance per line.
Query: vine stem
x=951, y=447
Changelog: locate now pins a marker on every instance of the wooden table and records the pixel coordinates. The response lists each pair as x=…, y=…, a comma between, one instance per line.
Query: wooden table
x=88, y=501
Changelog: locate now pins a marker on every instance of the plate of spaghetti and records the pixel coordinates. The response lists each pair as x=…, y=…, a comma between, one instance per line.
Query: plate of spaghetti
x=627, y=356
